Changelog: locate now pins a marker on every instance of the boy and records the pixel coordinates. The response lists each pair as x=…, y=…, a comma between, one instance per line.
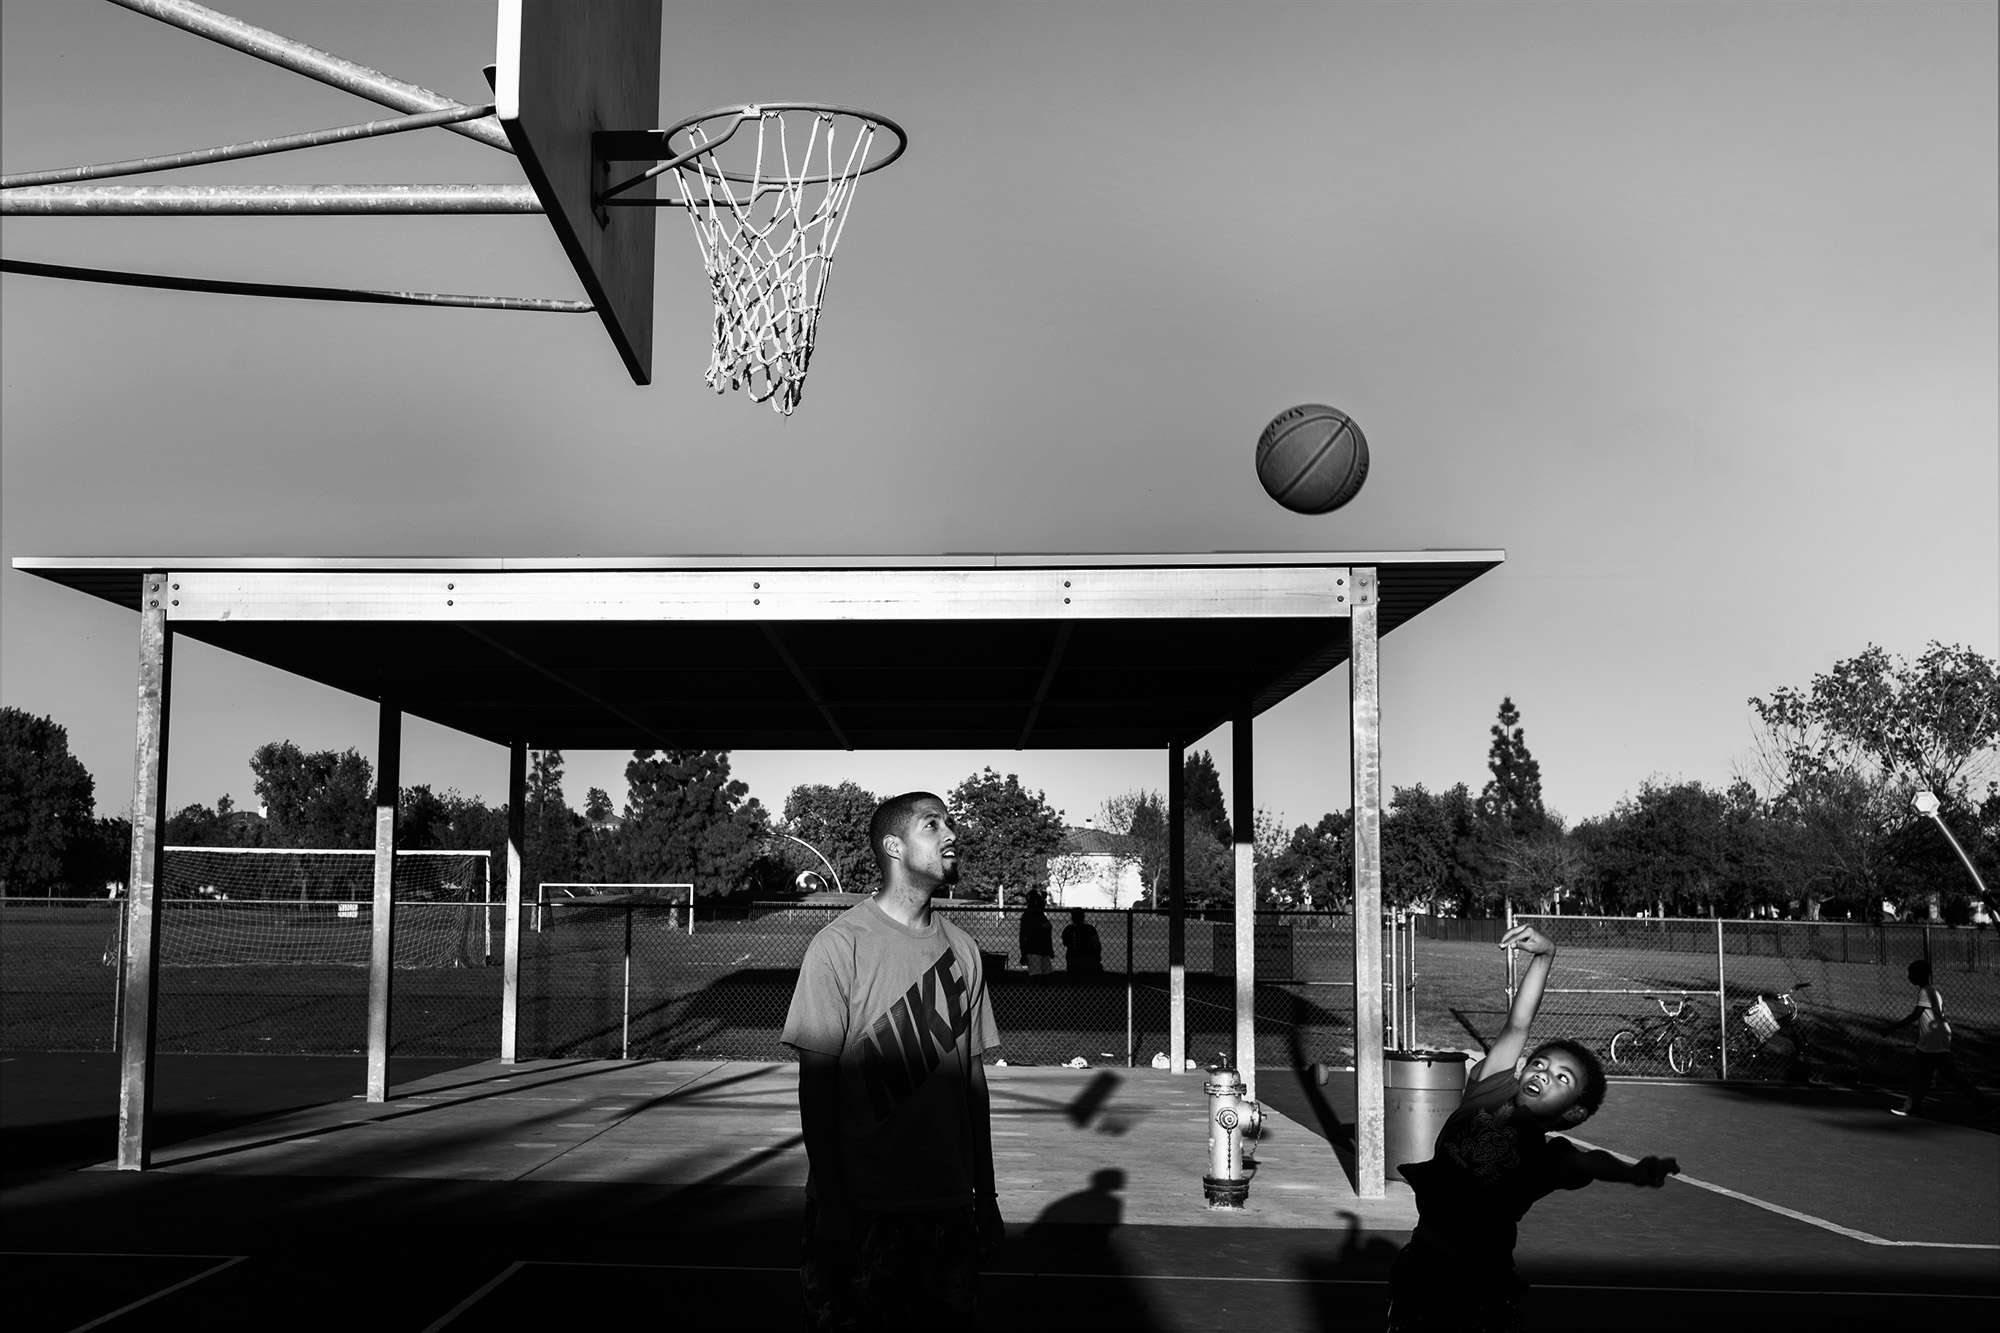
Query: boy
x=1493, y=1161
x=1933, y=1056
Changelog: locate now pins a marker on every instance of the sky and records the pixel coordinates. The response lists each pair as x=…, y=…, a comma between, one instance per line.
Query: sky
x=1691, y=309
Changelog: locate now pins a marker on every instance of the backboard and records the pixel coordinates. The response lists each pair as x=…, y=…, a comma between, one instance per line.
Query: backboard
x=565, y=70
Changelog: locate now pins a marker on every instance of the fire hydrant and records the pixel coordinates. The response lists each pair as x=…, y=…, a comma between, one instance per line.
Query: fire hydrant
x=1231, y=1115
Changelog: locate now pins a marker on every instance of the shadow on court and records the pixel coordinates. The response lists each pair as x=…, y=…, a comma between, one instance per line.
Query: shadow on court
x=386, y=1228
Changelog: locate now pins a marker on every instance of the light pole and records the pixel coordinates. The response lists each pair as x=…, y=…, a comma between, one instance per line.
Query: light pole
x=822, y=858
x=1926, y=803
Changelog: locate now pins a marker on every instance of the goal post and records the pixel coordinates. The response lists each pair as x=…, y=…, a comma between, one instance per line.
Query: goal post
x=550, y=897
x=261, y=906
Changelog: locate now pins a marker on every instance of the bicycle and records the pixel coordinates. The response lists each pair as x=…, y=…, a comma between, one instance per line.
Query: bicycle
x=1667, y=1037
x=1771, y=1035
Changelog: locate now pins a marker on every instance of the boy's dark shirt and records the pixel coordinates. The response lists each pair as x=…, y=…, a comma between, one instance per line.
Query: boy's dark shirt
x=1490, y=1165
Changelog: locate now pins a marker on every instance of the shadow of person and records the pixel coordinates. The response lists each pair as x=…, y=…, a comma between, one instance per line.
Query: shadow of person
x=1338, y=1134
x=1079, y=1280
x=1350, y=1287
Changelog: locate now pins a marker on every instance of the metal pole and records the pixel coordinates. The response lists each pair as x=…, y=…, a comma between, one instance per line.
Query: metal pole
x=314, y=64
x=1721, y=1004
x=1131, y=1054
x=510, y=979
x=625, y=1017
x=1365, y=745
x=138, y=166
x=263, y=200
x=382, y=927
x=486, y=903
x=1177, y=908
x=1245, y=830
x=140, y=963
x=1937, y=817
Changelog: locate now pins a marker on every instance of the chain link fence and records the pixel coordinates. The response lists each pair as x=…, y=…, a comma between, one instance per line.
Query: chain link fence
x=640, y=980
x=633, y=979
x=1765, y=1000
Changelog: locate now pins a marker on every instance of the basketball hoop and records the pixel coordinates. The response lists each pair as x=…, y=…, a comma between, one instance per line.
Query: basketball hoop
x=767, y=216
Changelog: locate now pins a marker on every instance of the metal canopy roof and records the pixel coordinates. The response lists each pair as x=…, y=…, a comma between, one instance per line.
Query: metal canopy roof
x=788, y=652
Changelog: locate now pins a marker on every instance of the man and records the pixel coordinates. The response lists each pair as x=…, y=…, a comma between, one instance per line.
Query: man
x=889, y=1019
x=1083, y=952
x=1494, y=1159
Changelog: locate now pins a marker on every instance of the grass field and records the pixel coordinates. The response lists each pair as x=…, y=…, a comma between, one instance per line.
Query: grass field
x=722, y=993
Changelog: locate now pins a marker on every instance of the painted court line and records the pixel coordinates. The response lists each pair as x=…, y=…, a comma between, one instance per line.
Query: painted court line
x=477, y=1294
x=163, y=1291
x=1795, y=1214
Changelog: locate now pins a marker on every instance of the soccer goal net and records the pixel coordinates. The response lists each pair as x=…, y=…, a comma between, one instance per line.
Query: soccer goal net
x=251, y=906
x=557, y=904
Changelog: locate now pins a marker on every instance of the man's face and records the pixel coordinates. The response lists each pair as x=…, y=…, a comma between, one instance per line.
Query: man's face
x=1551, y=1083
x=930, y=846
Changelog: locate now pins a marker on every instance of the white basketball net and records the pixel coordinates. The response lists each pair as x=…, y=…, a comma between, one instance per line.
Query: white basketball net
x=767, y=243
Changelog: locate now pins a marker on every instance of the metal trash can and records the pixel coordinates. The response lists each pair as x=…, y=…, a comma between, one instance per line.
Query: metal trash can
x=1420, y=1090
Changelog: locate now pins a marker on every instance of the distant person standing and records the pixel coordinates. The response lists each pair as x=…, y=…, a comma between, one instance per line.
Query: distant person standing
x=1038, y=937
x=890, y=1018
x=1933, y=1053
x=1083, y=951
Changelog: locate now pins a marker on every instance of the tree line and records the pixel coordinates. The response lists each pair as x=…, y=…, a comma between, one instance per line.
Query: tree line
x=1816, y=821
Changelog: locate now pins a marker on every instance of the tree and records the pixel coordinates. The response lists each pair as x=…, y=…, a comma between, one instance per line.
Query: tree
x=222, y=825
x=1311, y=869
x=834, y=820
x=47, y=798
x=1421, y=837
x=1512, y=798
x=1140, y=818
x=1006, y=834
x=1305, y=869
x=98, y=854
x=321, y=799
x=597, y=808
x=1840, y=759
x=688, y=821
x=1536, y=869
x=552, y=828
x=1201, y=788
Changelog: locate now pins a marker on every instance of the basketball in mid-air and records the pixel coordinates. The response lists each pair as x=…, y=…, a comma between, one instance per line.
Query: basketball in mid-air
x=1312, y=459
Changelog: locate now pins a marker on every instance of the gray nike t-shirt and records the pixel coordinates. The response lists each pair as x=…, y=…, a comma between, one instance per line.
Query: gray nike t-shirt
x=906, y=1013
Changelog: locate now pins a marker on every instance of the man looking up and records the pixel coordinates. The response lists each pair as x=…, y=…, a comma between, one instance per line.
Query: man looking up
x=889, y=1018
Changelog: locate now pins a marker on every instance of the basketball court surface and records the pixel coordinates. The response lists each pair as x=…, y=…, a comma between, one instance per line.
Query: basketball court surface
x=595, y=1194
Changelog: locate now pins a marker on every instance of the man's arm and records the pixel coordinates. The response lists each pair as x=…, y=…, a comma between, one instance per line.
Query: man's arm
x=1596, y=1164
x=986, y=1206
x=1513, y=1039
x=1906, y=1020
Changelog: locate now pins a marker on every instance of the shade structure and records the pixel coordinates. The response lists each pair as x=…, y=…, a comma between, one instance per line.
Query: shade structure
x=786, y=652
x=745, y=652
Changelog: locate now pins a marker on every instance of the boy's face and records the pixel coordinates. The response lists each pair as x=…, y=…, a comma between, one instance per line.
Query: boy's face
x=1551, y=1083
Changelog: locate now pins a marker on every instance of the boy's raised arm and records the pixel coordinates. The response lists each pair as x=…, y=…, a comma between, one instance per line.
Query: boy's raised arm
x=1512, y=1042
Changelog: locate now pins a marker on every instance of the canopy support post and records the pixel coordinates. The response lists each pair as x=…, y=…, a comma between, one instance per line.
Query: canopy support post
x=382, y=921
x=139, y=963
x=1176, y=908
x=517, y=826
x=1244, y=824
x=1365, y=740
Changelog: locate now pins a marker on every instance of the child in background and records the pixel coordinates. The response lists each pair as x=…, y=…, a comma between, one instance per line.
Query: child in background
x=1933, y=1054
x=1494, y=1159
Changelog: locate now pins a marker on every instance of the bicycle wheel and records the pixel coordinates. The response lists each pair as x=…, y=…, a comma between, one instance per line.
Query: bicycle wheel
x=1680, y=1054
x=1624, y=1043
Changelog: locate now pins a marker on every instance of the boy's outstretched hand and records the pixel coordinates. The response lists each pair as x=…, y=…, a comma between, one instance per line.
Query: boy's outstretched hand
x=1652, y=1172
x=1528, y=940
